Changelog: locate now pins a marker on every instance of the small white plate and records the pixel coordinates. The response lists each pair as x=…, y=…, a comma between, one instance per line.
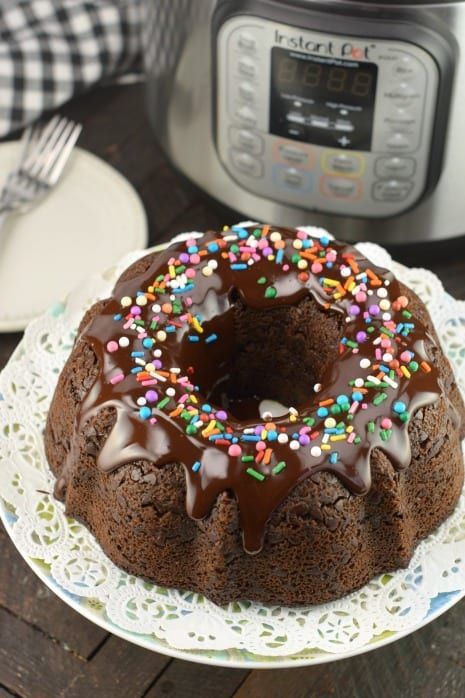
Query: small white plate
x=91, y=218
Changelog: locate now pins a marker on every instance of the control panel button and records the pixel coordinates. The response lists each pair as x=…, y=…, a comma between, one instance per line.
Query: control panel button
x=399, y=142
x=392, y=190
x=400, y=117
x=341, y=187
x=247, y=163
x=293, y=154
x=296, y=118
x=403, y=93
x=406, y=68
x=344, y=141
x=395, y=166
x=244, y=139
x=247, y=41
x=247, y=67
x=319, y=121
x=334, y=162
x=246, y=115
x=342, y=125
x=246, y=91
x=292, y=179
x=405, y=89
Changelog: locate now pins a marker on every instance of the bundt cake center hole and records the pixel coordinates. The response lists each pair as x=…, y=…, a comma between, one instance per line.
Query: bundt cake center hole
x=233, y=296
x=276, y=354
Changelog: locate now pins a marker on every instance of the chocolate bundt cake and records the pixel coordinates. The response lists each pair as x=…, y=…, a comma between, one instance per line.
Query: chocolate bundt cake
x=157, y=445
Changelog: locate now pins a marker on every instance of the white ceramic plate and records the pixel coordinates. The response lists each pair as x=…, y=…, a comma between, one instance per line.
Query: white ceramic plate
x=91, y=218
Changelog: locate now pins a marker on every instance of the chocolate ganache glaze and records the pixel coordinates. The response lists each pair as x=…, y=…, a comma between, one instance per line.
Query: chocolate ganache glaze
x=166, y=334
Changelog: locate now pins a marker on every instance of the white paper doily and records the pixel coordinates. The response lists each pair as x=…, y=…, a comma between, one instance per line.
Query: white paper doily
x=65, y=555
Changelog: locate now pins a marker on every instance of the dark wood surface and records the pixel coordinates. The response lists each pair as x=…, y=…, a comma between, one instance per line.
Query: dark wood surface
x=46, y=649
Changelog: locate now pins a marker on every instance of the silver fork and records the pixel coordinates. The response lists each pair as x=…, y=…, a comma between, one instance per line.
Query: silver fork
x=44, y=153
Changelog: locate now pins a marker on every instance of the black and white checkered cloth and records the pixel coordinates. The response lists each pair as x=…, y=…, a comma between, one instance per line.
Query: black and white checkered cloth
x=51, y=50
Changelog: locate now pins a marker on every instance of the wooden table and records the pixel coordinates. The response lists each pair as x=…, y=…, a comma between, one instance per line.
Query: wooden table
x=46, y=649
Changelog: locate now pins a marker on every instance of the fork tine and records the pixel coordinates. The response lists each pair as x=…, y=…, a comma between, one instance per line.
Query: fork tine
x=31, y=140
x=54, y=148
x=34, y=159
x=66, y=146
x=48, y=130
x=45, y=129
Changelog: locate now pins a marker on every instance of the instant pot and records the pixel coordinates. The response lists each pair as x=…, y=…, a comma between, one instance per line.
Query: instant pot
x=344, y=114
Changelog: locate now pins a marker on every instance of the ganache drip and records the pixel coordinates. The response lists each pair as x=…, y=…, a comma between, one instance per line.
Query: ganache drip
x=178, y=315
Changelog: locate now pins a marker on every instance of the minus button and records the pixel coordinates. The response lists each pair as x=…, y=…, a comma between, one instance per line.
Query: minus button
x=319, y=121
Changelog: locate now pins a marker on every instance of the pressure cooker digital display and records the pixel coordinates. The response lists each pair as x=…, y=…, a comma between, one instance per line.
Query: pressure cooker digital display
x=322, y=100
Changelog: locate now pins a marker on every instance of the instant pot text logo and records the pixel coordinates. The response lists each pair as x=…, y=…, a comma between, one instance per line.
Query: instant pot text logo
x=347, y=49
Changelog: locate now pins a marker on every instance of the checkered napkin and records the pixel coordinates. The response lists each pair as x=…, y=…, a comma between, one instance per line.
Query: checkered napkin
x=51, y=50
